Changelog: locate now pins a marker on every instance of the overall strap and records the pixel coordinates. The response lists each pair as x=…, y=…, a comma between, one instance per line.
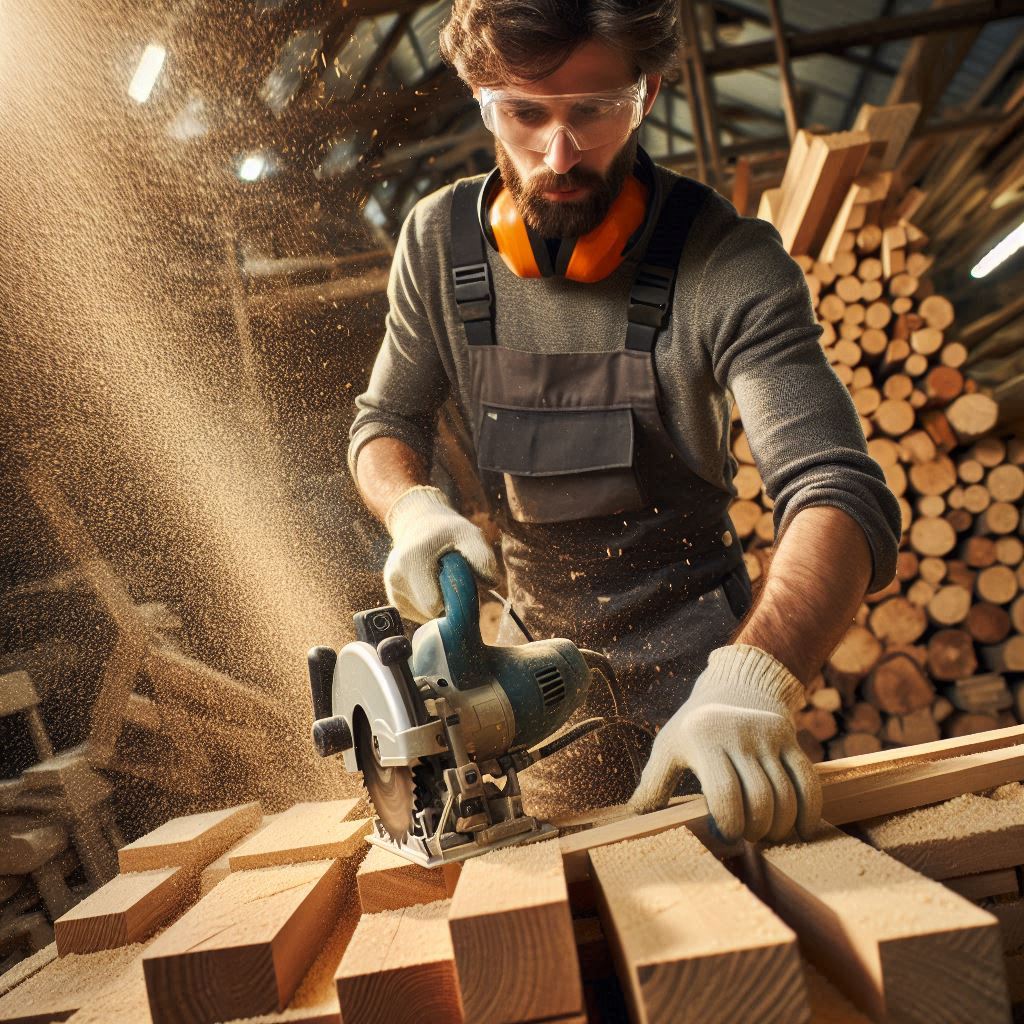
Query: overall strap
x=471, y=273
x=650, y=298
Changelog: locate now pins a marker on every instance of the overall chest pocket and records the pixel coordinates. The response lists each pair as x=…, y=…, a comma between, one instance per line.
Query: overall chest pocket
x=561, y=465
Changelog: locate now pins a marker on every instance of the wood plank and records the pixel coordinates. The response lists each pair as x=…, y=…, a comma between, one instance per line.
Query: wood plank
x=400, y=967
x=244, y=948
x=891, y=127
x=508, y=900
x=59, y=989
x=388, y=881
x=195, y=840
x=1010, y=915
x=216, y=871
x=899, y=945
x=851, y=796
x=691, y=943
x=985, y=884
x=127, y=910
x=308, y=831
x=828, y=1004
x=24, y=969
x=967, y=835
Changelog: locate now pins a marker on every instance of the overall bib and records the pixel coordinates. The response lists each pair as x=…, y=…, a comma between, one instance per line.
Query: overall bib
x=608, y=538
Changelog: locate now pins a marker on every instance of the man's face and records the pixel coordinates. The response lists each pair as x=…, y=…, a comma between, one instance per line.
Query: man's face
x=566, y=192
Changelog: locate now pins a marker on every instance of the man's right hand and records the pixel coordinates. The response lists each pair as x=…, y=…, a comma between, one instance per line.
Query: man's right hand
x=424, y=526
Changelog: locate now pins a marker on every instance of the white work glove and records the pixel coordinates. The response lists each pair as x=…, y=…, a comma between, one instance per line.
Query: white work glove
x=736, y=734
x=424, y=527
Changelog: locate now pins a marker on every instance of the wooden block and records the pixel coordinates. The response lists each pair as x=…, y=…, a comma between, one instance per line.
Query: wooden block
x=985, y=885
x=388, y=881
x=1010, y=915
x=891, y=127
x=60, y=988
x=195, y=840
x=690, y=941
x=127, y=910
x=899, y=945
x=244, y=948
x=312, y=831
x=963, y=836
x=515, y=899
x=400, y=967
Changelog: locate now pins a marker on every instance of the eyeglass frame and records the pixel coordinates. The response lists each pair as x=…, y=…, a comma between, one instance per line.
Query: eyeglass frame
x=638, y=90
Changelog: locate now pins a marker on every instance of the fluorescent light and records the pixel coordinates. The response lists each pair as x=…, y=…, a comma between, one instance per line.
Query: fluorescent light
x=1002, y=252
x=147, y=72
x=252, y=167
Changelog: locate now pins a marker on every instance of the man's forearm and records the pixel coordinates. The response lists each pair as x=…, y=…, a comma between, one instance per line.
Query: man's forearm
x=818, y=577
x=385, y=469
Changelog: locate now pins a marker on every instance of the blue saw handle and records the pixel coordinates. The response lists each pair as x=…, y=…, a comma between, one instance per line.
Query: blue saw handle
x=460, y=626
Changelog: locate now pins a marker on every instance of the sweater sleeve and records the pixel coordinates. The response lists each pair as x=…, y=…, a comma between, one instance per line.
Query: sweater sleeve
x=803, y=429
x=408, y=382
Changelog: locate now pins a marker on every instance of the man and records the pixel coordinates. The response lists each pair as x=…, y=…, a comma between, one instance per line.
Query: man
x=590, y=313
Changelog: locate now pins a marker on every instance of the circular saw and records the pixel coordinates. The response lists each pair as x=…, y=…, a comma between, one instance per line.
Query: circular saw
x=441, y=725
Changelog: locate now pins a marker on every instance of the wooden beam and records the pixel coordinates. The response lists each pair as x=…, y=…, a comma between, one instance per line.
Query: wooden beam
x=691, y=943
x=900, y=946
x=705, y=96
x=310, y=831
x=785, y=70
x=128, y=909
x=399, y=968
x=388, y=881
x=964, y=836
x=194, y=840
x=866, y=33
x=250, y=941
x=851, y=796
x=514, y=902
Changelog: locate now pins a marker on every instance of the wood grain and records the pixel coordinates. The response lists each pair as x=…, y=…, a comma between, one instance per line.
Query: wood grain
x=900, y=946
x=692, y=943
x=196, y=839
x=388, y=881
x=399, y=968
x=511, y=907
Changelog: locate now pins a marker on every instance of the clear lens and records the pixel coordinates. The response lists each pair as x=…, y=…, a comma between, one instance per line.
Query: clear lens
x=592, y=119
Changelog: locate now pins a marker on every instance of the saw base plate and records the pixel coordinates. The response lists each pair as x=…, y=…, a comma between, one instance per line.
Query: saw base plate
x=463, y=851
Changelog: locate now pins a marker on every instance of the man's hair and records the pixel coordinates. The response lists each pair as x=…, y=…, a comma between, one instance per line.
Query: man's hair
x=512, y=42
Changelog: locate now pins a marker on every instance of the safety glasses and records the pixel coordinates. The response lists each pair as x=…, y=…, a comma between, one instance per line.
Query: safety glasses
x=591, y=119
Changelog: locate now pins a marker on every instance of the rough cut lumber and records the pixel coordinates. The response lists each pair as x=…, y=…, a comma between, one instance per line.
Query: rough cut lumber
x=514, y=903
x=400, y=967
x=195, y=840
x=852, y=789
x=690, y=941
x=900, y=946
x=985, y=884
x=388, y=881
x=60, y=988
x=127, y=910
x=310, y=831
x=963, y=836
x=244, y=948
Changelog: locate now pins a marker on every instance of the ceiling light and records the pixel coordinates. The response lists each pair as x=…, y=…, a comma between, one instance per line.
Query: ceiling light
x=1000, y=253
x=147, y=72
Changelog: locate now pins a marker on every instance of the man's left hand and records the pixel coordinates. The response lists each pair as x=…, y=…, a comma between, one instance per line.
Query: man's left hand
x=736, y=733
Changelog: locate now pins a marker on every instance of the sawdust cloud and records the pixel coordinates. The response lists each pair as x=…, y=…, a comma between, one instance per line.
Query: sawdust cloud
x=124, y=388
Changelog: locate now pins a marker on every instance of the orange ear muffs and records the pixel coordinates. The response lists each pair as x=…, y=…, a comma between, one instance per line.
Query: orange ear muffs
x=589, y=258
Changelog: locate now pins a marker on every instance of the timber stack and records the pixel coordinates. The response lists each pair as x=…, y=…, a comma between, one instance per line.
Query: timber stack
x=232, y=915
x=939, y=652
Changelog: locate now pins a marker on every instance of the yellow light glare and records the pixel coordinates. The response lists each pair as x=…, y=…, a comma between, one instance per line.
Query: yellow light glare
x=147, y=72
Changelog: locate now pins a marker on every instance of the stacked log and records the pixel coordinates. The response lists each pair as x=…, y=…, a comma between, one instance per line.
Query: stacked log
x=940, y=651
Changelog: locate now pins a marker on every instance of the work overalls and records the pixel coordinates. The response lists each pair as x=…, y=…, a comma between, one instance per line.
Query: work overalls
x=608, y=538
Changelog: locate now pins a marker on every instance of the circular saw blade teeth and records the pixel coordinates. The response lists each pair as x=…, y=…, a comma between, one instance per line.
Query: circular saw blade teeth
x=391, y=790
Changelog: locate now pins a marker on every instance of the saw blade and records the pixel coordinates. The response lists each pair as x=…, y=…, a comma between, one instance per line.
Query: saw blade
x=391, y=790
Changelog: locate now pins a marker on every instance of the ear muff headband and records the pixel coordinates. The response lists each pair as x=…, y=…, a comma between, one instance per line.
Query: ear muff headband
x=586, y=259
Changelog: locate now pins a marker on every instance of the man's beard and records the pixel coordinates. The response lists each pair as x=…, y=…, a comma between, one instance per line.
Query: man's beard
x=567, y=218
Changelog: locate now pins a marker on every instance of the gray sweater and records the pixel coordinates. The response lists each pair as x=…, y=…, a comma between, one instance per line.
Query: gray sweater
x=742, y=324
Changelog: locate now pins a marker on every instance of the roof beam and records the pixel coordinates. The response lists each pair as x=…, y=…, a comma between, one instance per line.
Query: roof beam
x=865, y=33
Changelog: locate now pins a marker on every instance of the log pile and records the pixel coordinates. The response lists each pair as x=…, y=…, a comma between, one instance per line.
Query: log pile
x=226, y=916
x=939, y=651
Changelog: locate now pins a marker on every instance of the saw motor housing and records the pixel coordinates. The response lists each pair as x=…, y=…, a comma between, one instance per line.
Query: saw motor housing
x=459, y=716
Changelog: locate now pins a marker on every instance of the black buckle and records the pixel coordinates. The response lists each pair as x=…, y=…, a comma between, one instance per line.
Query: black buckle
x=472, y=282
x=650, y=296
